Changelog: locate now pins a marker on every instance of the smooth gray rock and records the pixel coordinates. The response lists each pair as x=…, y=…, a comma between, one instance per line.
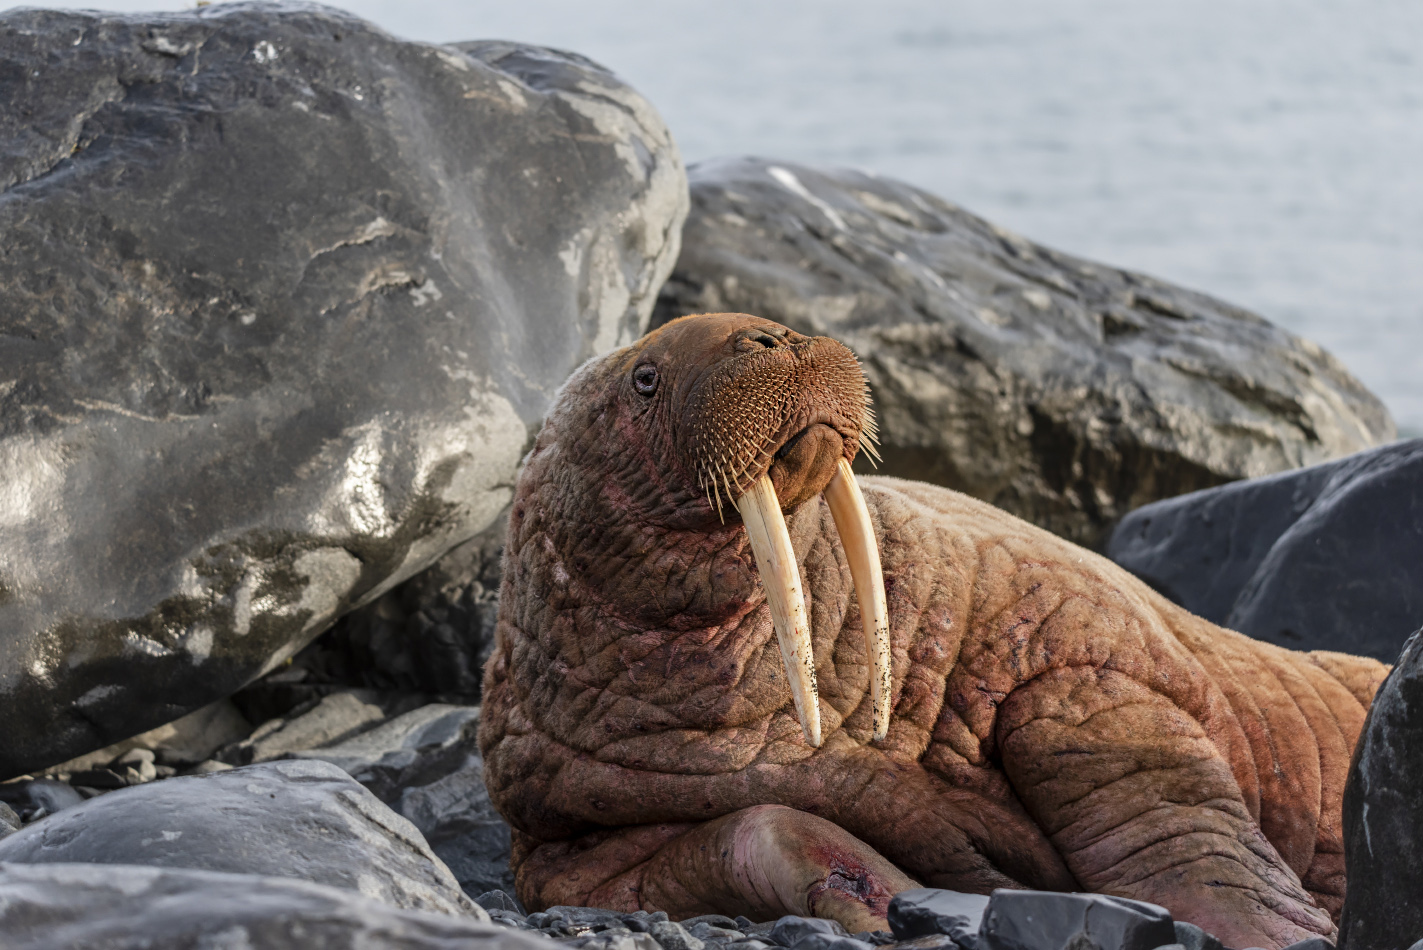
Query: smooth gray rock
x=283, y=297
x=1326, y=558
x=300, y=819
x=1313, y=943
x=103, y=907
x=1045, y=920
x=931, y=910
x=381, y=757
x=455, y=815
x=1383, y=815
x=9, y=820
x=333, y=719
x=1065, y=391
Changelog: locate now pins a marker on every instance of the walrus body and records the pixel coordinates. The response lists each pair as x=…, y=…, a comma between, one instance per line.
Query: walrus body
x=1055, y=723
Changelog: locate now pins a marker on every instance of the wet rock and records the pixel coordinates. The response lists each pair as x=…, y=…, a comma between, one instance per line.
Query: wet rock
x=33, y=799
x=88, y=906
x=1383, y=815
x=1194, y=938
x=1325, y=558
x=1043, y=920
x=1065, y=391
x=307, y=820
x=284, y=296
x=931, y=910
x=9, y=820
x=332, y=719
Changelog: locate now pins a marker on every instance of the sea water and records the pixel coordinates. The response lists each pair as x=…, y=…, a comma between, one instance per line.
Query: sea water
x=1266, y=151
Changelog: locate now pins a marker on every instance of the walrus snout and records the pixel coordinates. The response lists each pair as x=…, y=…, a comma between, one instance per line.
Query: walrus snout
x=773, y=419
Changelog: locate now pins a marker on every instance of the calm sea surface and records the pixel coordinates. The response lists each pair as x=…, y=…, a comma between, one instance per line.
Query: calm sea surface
x=1267, y=151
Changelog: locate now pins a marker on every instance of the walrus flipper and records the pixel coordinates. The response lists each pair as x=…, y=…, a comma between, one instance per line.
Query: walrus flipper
x=1135, y=796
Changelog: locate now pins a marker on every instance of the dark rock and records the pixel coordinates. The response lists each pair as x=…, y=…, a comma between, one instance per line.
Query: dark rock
x=183, y=742
x=931, y=910
x=104, y=779
x=103, y=907
x=284, y=297
x=1383, y=815
x=1194, y=938
x=1064, y=391
x=819, y=941
x=790, y=929
x=1043, y=920
x=430, y=635
x=1326, y=558
x=307, y=820
x=1313, y=943
x=33, y=799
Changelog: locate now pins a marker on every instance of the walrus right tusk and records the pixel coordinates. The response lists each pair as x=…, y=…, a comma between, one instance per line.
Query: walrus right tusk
x=780, y=576
x=857, y=537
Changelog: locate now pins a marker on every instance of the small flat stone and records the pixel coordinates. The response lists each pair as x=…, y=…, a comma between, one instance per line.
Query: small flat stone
x=673, y=936
x=790, y=929
x=1194, y=938
x=1045, y=920
x=1313, y=943
x=932, y=910
x=500, y=900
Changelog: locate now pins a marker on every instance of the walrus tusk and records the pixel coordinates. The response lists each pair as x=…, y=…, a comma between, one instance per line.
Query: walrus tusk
x=857, y=537
x=780, y=576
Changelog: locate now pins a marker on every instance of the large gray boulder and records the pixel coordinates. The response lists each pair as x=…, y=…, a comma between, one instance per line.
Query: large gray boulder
x=307, y=820
x=1065, y=391
x=103, y=907
x=281, y=298
x=1329, y=557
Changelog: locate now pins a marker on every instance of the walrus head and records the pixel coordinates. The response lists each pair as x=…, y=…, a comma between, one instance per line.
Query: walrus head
x=717, y=417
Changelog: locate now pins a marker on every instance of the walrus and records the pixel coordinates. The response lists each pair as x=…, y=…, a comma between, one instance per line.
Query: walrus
x=731, y=676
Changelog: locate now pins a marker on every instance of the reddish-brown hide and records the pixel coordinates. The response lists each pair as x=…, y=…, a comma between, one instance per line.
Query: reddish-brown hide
x=1056, y=723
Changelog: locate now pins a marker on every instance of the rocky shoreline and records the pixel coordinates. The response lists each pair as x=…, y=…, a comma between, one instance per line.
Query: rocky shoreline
x=286, y=299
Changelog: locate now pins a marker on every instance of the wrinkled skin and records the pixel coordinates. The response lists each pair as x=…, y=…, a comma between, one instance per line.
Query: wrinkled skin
x=1056, y=724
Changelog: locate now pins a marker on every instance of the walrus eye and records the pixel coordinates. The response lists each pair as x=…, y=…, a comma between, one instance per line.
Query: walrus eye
x=644, y=379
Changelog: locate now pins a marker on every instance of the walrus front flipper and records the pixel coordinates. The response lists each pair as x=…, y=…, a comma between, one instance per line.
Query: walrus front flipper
x=763, y=862
x=1141, y=804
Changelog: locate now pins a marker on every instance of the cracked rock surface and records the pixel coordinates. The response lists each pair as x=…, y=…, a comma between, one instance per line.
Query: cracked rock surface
x=1064, y=391
x=282, y=297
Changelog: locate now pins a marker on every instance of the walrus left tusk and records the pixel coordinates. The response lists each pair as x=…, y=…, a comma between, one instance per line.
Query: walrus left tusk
x=857, y=537
x=780, y=576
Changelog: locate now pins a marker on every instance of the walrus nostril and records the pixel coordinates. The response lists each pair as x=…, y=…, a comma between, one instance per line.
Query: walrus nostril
x=765, y=339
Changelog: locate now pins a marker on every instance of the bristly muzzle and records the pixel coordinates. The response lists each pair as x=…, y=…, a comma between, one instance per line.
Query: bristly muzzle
x=739, y=420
